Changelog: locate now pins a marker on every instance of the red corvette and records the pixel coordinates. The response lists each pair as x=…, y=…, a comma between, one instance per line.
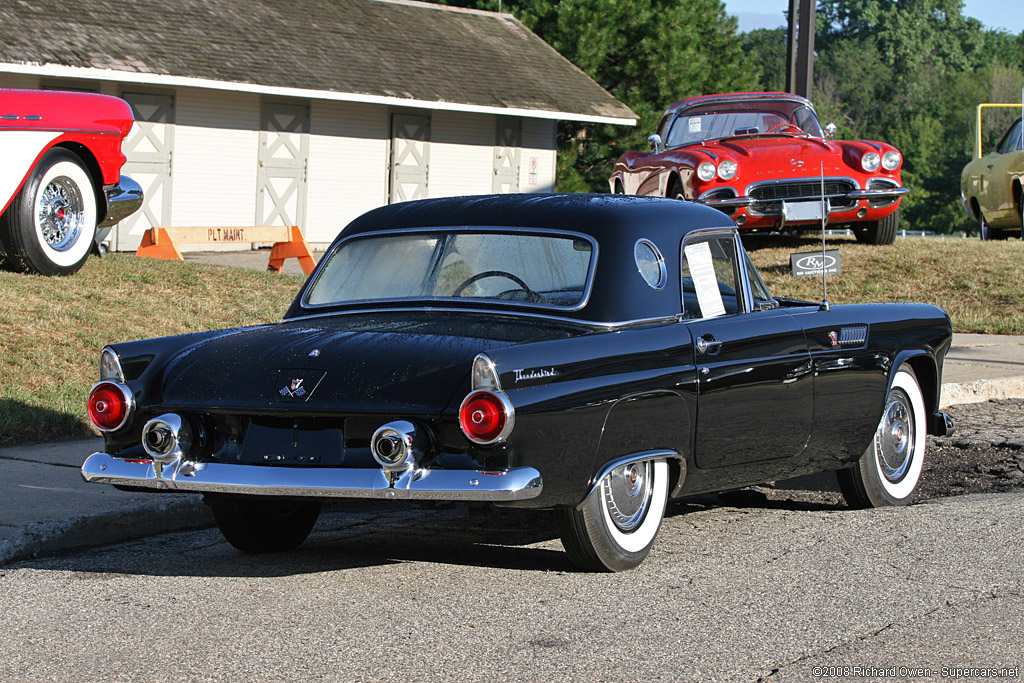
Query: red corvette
x=61, y=187
x=759, y=158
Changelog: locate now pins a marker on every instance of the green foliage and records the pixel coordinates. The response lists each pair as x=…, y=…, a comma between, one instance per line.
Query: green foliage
x=647, y=53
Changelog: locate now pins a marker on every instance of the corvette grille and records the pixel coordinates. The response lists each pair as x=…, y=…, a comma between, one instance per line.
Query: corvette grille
x=768, y=197
x=881, y=184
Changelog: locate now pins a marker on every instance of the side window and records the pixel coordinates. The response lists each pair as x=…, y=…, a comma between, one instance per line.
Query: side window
x=1012, y=140
x=710, y=273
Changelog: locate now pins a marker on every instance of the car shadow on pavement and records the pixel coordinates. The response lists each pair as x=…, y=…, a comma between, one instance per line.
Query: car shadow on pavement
x=362, y=534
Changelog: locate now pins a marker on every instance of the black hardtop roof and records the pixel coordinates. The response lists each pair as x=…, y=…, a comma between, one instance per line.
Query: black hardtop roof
x=608, y=218
x=616, y=222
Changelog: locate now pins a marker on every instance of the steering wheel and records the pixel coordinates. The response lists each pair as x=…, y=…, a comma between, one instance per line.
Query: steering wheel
x=523, y=287
x=785, y=125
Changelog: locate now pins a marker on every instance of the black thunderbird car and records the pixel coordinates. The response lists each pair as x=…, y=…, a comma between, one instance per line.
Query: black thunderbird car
x=596, y=355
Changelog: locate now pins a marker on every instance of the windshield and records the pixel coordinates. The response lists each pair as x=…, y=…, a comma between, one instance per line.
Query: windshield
x=715, y=120
x=542, y=269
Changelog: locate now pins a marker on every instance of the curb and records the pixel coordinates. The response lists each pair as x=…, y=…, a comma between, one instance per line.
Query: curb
x=134, y=521
x=979, y=391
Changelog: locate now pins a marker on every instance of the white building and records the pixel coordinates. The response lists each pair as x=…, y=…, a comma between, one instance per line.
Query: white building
x=307, y=112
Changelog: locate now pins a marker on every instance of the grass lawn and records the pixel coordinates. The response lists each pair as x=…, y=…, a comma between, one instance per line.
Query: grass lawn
x=53, y=328
x=980, y=284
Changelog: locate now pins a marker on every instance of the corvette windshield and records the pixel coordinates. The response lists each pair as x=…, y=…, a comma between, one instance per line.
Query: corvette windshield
x=546, y=270
x=716, y=120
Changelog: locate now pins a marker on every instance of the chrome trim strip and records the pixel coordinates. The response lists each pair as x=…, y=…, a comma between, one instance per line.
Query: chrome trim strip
x=587, y=287
x=518, y=483
x=591, y=324
x=877, y=194
x=123, y=199
x=732, y=201
x=47, y=129
x=868, y=142
x=609, y=466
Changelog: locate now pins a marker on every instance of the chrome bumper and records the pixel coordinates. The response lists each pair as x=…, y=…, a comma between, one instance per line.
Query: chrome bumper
x=123, y=200
x=886, y=193
x=518, y=483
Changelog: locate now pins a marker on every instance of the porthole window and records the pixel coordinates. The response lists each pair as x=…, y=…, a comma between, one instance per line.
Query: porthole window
x=650, y=263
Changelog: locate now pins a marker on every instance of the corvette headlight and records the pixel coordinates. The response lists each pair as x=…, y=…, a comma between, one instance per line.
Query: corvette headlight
x=727, y=169
x=870, y=162
x=891, y=160
x=706, y=171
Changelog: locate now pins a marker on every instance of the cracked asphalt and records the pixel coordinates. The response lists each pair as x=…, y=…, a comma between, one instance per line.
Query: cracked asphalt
x=773, y=583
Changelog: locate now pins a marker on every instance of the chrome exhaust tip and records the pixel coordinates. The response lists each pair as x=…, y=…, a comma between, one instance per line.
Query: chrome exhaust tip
x=167, y=438
x=398, y=446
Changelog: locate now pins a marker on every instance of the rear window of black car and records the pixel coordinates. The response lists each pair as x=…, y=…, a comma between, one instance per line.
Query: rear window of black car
x=527, y=268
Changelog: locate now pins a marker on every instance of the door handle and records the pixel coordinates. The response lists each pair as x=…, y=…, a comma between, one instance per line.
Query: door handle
x=708, y=345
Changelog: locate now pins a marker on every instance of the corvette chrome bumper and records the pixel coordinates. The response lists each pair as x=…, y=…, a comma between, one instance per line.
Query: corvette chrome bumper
x=518, y=483
x=894, y=192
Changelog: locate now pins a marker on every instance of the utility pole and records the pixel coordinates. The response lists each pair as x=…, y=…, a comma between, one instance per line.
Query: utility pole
x=800, y=43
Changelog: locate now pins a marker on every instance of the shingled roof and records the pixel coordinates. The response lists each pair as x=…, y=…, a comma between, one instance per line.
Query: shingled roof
x=363, y=50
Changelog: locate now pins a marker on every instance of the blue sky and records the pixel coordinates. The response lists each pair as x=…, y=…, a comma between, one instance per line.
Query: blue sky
x=753, y=14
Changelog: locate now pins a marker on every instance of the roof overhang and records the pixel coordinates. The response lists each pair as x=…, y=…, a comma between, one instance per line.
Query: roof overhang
x=167, y=80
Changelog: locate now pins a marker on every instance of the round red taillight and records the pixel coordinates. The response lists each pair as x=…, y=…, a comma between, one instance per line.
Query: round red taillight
x=109, y=405
x=486, y=417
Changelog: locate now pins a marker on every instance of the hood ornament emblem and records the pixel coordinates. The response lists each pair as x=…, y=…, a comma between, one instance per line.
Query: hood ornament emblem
x=796, y=162
x=293, y=389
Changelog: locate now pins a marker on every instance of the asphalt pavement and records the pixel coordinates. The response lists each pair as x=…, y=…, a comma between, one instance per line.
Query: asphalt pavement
x=48, y=508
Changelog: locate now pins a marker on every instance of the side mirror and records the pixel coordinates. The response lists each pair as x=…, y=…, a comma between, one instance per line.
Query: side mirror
x=655, y=142
x=830, y=131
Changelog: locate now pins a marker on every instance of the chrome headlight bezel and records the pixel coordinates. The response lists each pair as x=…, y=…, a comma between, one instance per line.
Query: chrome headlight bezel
x=891, y=160
x=727, y=169
x=871, y=162
x=706, y=171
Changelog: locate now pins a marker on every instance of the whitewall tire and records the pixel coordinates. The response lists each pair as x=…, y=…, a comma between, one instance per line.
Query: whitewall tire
x=50, y=226
x=890, y=469
x=615, y=527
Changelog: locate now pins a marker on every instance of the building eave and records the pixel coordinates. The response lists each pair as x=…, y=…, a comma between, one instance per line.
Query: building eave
x=169, y=81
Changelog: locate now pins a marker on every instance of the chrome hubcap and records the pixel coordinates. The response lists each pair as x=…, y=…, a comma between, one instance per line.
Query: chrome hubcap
x=627, y=494
x=61, y=216
x=894, y=440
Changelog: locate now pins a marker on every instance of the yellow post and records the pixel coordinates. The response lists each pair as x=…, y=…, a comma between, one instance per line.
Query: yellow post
x=989, y=105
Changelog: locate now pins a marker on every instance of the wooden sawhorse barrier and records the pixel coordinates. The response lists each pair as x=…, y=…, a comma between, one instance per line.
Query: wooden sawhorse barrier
x=288, y=242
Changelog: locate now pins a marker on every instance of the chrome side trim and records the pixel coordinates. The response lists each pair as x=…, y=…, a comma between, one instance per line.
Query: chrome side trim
x=518, y=483
x=590, y=324
x=610, y=466
x=123, y=200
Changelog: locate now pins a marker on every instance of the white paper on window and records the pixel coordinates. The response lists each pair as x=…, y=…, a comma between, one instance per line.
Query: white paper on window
x=705, y=282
